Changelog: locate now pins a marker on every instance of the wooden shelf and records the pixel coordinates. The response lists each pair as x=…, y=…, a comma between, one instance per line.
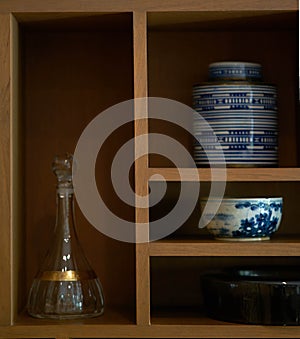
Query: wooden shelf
x=64, y=330
x=228, y=331
x=233, y=174
x=163, y=324
x=113, y=323
x=116, y=5
x=160, y=329
x=208, y=247
x=60, y=65
x=196, y=324
x=111, y=316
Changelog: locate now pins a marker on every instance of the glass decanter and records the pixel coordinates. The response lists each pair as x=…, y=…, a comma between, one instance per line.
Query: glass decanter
x=66, y=287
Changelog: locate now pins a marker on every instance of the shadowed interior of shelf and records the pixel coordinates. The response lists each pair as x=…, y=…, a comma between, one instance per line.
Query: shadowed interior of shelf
x=71, y=70
x=72, y=21
x=183, y=316
x=287, y=190
x=216, y=20
x=176, y=282
x=179, y=53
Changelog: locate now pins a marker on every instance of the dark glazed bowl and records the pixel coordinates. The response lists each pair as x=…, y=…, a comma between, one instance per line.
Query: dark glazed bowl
x=262, y=295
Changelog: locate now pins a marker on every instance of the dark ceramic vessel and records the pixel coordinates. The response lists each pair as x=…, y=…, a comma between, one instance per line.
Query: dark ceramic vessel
x=254, y=295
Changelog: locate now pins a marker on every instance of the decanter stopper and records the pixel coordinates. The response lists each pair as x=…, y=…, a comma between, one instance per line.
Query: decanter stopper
x=62, y=168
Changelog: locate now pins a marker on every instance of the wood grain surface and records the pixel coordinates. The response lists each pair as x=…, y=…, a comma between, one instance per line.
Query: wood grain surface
x=5, y=171
x=145, y=5
x=141, y=166
x=232, y=174
x=198, y=247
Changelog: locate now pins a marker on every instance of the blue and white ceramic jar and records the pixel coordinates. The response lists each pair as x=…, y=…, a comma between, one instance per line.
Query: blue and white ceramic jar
x=241, y=111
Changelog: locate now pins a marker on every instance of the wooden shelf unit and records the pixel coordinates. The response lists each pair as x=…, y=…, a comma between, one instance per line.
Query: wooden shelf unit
x=63, y=62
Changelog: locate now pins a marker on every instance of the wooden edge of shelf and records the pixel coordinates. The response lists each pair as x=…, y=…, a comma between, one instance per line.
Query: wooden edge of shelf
x=225, y=330
x=193, y=248
x=161, y=329
x=112, y=316
x=114, y=5
x=163, y=324
x=68, y=331
x=232, y=174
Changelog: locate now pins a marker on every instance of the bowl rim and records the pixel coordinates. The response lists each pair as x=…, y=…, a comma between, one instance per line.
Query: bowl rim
x=226, y=279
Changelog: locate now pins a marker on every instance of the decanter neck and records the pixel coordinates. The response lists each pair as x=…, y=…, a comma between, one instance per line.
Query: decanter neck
x=65, y=212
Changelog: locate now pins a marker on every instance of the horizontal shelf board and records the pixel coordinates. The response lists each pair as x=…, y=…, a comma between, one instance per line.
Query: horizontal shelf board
x=163, y=324
x=115, y=322
x=200, y=325
x=65, y=330
x=233, y=174
x=161, y=328
x=110, y=317
x=211, y=247
x=149, y=5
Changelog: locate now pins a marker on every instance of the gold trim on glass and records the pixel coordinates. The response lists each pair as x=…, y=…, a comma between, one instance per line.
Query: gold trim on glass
x=66, y=275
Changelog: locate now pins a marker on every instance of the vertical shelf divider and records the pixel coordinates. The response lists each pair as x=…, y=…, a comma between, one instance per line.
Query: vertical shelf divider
x=17, y=246
x=5, y=170
x=141, y=168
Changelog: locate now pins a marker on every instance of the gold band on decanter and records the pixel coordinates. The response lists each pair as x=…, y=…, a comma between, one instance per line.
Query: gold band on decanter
x=67, y=275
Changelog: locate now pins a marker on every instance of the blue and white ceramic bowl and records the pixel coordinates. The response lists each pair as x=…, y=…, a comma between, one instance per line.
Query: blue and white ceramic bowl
x=243, y=219
x=241, y=112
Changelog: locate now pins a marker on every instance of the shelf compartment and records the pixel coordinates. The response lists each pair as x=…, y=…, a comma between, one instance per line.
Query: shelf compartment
x=288, y=190
x=206, y=247
x=233, y=174
x=69, y=72
x=177, y=295
x=180, y=49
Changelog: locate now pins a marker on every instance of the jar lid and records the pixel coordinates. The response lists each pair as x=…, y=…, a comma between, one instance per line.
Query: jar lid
x=235, y=70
